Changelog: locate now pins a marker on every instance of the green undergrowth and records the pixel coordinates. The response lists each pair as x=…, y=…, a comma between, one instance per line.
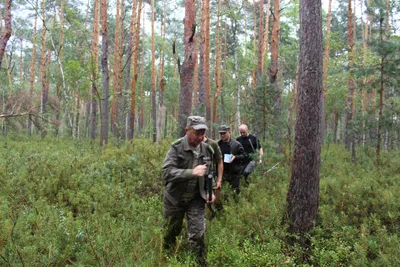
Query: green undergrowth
x=65, y=202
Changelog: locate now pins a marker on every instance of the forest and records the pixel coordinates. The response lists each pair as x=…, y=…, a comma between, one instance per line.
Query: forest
x=94, y=92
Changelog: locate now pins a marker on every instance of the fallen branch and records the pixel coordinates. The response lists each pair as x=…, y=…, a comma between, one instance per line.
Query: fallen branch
x=9, y=115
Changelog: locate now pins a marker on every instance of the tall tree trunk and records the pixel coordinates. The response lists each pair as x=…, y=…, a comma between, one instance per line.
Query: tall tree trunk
x=302, y=197
x=217, y=76
x=260, y=40
x=275, y=42
x=381, y=92
x=105, y=74
x=117, y=74
x=273, y=74
x=349, y=138
x=161, y=76
x=141, y=104
x=153, y=76
x=131, y=40
x=266, y=35
x=32, y=68
x=94, y=68
x=187, y=69
x=6, y=32
x=326, y=64
x=135, y=62
x=21, y=75
x=254, y=73
x=204, y=86
x=60, y=55
x=43, y=68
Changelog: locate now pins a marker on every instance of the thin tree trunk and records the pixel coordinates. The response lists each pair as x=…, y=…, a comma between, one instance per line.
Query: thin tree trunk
x=275, y=42
x=217, y=77
x=381, y=92
x=32, y=69
x=94, y=67
x=266, y=35
x=254, y=73
x=43, y=68
x=135, y=63
x=117, y=74
x=349, y=139
x=105, y=74
x=260, y=40
x=153, y=76
x=326, y=62
x=129, y=52
x=161, y=77
x=141, y=104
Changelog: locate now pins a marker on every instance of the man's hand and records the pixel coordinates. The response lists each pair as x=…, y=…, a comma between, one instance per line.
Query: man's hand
x=213, y=198
x=219, y=185
x=200, y=170
x=232, y=159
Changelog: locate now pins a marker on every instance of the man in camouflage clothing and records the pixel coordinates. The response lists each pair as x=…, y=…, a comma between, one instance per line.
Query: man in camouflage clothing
x=184, y=170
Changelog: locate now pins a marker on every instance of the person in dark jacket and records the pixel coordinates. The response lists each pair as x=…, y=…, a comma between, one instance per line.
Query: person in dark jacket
x=185, y=166
x=252, y=146
x=233, y=155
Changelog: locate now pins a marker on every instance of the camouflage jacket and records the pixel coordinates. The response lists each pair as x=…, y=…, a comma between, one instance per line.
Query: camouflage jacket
x=177, y=169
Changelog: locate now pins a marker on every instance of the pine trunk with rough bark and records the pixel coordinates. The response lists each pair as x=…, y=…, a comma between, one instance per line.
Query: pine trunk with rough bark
x=303, y=194
x=186, y=71
x=6, y=32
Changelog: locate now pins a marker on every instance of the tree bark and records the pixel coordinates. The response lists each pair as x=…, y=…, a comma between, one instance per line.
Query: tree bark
x=6, y=32
x=186, y=72
x=153, y=76
x=217, y=76
x=32, y=68
x=105, y=74
x=275, y=42
x=161, y=76
x=94, y=68
x=260, y=40
x=117, y=74
x=302, y=197
x=326, y=63
x=43, y=68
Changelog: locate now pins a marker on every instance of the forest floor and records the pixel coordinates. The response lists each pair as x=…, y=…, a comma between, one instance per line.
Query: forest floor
x=66, y=202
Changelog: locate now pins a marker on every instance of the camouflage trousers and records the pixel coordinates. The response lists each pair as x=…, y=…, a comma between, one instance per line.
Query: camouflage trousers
x=194, y=211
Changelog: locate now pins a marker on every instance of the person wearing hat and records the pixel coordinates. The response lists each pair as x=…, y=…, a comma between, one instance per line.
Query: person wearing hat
x=233, y=155
x=184, y=169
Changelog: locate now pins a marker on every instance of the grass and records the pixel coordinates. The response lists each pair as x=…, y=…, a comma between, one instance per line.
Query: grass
x=65, y=202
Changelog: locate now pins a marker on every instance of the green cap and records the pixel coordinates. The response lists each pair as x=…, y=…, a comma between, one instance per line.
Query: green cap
x=224, y=128
x=196, y=122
